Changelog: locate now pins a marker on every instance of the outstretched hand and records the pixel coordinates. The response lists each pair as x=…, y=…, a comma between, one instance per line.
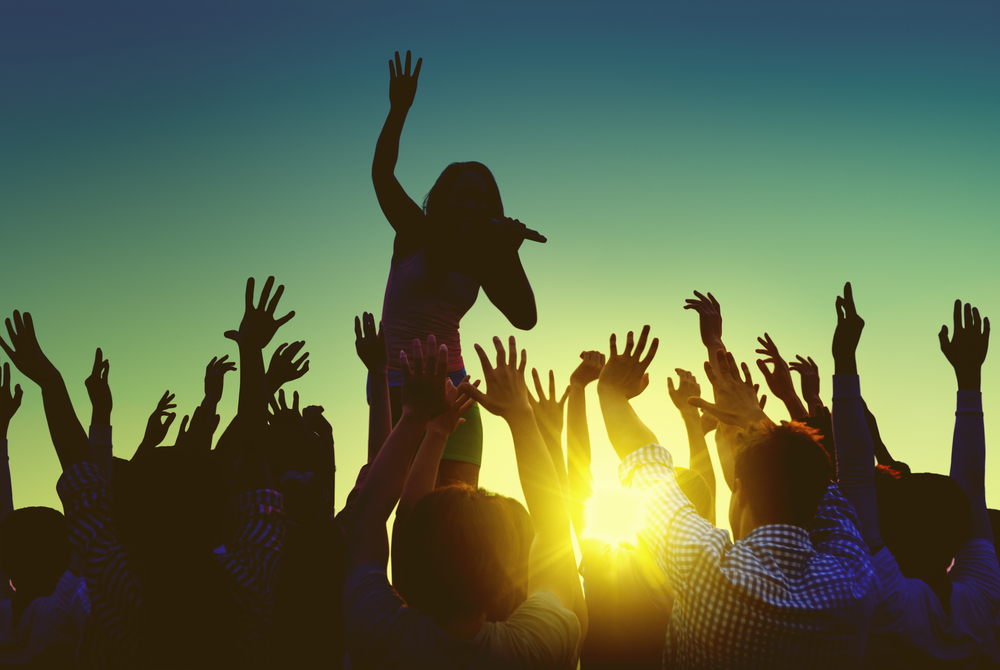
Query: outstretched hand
x=809, y=371
x=736, y=401
x=780, y=379
x=99, y=390
x=282, y=414
x=548, y=411
x=506, y=392
x=967, y=348
x=403, y=85
x=283, y=367
x=626, y=373
x=159, y=422
x=259, y=325
x=199, y=436
x=848, y=333
x=687, y=387
x=25, y=352
x=458, y=404
x=215, y=371
x=423, y=392
x=709, y=318
x=589, y=369
x=369, y=344
x=9, y=403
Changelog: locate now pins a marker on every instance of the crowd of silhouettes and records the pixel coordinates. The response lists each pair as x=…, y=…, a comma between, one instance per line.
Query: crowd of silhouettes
x=228, y=552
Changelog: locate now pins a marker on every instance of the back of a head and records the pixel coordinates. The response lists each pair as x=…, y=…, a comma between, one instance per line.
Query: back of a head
x=34, y=548
x=451, y=560
x=924, y=518
x=785, y=473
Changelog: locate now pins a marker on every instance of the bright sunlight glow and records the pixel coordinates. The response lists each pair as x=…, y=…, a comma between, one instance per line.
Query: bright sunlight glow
x=615, y=515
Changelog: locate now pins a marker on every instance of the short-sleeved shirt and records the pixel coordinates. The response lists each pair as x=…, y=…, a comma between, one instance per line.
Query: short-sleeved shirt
x=50, y=627
x=382, y=632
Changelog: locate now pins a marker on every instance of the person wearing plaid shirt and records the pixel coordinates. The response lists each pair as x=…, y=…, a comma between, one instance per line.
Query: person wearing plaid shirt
x=797, y=588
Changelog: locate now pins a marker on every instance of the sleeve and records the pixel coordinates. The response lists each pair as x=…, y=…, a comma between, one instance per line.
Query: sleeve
x=253, y=552
x=834, y=531
x=676, y=535
x=976, y=568
x=376, y=618
x=87, y=504
x=541, y=633
x=968, y=459
x=855, y=455
x=100, y=448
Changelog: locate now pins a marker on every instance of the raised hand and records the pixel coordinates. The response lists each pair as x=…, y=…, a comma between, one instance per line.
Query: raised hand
x=369, y=344
x=780, y=379
x=199, y=436
x=809, y=371
x=99, y=391
x=458, y=404
x=259, y=325
x=423, y=392
x=548, y=411
x=626, y=373
x=687, y=387
x=159, y=422
x=24, y=351
x=848, y=333
x=215, y=371
x=589, y=369
x=283, y=415
x=709, y=318
x=506, y=392
x=403, y=85
x=967, y=348
x=736, y=401
x=9, y=403
x=283, y=368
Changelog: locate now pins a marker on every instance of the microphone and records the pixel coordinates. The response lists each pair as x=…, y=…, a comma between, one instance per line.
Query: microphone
x=527, y=233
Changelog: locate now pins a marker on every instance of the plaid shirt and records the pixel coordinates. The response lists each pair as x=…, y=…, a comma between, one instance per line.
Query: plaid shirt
x=111, y=637
x=780, y=597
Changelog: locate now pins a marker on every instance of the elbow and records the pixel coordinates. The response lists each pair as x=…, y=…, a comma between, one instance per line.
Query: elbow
x=524, y=320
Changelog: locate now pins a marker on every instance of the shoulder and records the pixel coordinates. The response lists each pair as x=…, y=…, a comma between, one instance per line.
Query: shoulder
x=540, y=633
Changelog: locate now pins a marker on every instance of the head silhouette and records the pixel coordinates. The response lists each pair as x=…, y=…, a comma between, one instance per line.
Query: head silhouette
x=782, y=473
x=34, y=549
x=455, y=556
x=463, y=193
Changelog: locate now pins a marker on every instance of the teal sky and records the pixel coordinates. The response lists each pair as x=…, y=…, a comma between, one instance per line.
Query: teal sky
x=154, y=155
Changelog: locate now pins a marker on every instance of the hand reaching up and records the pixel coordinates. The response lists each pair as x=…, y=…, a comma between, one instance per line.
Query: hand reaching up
x=25, y=352
x=259, y=325
x=506, y=392
x=423, y=392
x=403, y=85
x=687, y=387
x=848, y=333
x=589, y=369
x=9, y=403
x=967, y=349
x=156, y=427
x=780, y=380
x=99, y=390
x=548, y=411
x=215, y=371
x=809, y=372
x=458, y=404
x=283, y=367
x=626, y=373
x=199, y=436
x=736, y=401
x=283, y=415
x=709, y=318
x=369, y=344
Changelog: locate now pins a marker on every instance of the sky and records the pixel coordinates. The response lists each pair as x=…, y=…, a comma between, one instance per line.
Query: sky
x=153, y=155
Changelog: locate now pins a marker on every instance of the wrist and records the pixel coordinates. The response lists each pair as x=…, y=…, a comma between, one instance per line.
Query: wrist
x=577, y=386
x=845, y=365
x=519, y=413
x=691, y=417
x=969, y=380
x=413, y=416
x=100, y=418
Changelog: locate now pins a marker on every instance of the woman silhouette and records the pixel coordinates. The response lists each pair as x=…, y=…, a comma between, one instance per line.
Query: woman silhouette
x=443, y=253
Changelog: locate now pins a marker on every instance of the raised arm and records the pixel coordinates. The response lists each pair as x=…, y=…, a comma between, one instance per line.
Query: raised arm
x=780, y=379
x=157, y=424
x=701, y=461
x=549, y=419
x=423, y=397
x=371, y=350
x=284, y=368
x=623, y=378
x=578, y=436
x=809, y=380
x=853, y=441
x=551, y=563
x=25, y=353
x=966, y=352
x=100, y=419
x=709, y=323
x=404, y=215
x=9, y=404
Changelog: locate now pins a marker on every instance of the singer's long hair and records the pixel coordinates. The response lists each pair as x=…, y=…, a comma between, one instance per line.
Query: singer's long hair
x=440, y=240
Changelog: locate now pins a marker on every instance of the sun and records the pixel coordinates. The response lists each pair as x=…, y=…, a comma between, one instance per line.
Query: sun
x=615, y=515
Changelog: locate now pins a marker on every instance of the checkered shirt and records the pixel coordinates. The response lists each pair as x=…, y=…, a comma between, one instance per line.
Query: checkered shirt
x=782, y=597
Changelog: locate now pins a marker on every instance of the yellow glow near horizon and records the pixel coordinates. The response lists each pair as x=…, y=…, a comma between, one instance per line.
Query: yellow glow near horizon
x=615, y=515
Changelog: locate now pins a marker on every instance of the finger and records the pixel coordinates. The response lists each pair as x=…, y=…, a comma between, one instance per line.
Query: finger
x=565, y=395
x=418, y=358
x=715, y=303
x=705, y=406
x=17, y=393
x=957, y=316
x=763, y=401
x=641, y=344
x=968, y=316
x=183, y=428
x=265, y=293
x=943, y=338
x=524, y=361
x=416, y=70
x=407, y=61
x=96, y=371
x=399, y=65
x=370, y=326
x=552, y=385
x=734, y=369
x=763, y=368
x=483, y=359
x=977, y=321
x=105, y=369
x=710, y=373
x=670, y=385
x=746, y=371
x=285, y=319
x=629, y=343
x=986, y=329
x=841, y=312
x=281, y=399
x=474, y=393
x=700, y=297
x=614, y=345
x=849, y=300
x=273, y=404
x=295, y=401
x=169, y=421
x=7, y=350
x=442, y=361
x=273, y=305
x=513, y=351
x=644, y=363
x=305, y=368
x=357, y=330
x=538, y=384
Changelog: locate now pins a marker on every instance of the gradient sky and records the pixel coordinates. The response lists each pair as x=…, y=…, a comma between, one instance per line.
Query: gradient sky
x=153, y=155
